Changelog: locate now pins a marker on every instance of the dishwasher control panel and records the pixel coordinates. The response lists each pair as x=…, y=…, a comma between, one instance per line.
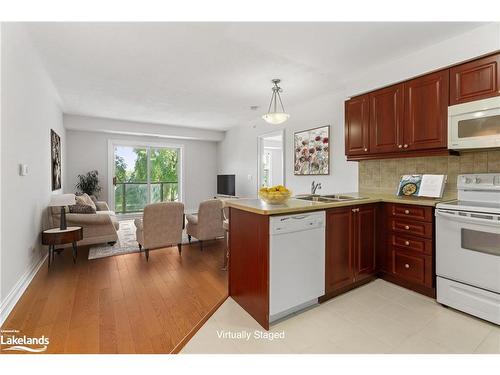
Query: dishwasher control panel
x=296, y=222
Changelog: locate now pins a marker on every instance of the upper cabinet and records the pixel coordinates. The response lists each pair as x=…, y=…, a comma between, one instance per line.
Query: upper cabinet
x=411, y=118
x=426, y=112
x=478, y=79
x=356, y=125
x=386, y=119
x=407, y=119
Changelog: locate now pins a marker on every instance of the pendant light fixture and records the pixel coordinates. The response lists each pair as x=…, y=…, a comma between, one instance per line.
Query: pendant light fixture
x=273, y=115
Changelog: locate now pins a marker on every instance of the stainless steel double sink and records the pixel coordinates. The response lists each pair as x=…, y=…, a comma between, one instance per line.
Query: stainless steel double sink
x=328, y=198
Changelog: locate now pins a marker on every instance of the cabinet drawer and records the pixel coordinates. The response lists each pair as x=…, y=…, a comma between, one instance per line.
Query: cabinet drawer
x=403, y=242
x=410, y=211
x=415, y=228
x=414, y=268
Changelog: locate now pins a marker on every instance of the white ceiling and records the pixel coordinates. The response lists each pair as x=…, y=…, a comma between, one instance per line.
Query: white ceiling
x=207, y=75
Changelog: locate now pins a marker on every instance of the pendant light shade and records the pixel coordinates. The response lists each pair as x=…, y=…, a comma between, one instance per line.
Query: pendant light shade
x=274, y=115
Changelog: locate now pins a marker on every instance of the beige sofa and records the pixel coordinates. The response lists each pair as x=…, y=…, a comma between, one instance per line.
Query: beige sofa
x=98, y=228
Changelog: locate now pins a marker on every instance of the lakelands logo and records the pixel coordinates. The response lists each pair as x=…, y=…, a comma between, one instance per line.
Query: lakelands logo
x=15, y=342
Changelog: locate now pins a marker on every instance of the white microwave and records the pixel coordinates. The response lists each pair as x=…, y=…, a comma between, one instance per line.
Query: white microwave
x=474, y=125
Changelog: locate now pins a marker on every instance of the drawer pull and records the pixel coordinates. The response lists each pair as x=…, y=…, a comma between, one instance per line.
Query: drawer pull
x=407, y=265
x=407, y=243
x=407, y=212
x=407, y=227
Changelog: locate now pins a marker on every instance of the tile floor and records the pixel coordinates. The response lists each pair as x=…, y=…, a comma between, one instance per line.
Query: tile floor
x=379, y=317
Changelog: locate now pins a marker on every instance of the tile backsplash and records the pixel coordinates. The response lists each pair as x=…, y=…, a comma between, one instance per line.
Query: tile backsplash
x=383, y=175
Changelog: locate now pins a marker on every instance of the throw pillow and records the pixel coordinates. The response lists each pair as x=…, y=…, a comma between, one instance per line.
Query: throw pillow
x=81, y=209
x=89, y=201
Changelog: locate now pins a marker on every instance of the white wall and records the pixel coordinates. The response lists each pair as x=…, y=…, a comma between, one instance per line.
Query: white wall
x=30, y=108
x=237, y=153
x=89, y=150
x=477, y=42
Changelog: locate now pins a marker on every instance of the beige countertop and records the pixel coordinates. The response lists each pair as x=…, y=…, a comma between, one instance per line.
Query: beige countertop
x=294, y=205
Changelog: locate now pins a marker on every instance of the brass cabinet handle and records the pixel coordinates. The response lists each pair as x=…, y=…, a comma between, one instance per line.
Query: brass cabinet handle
x=407, y=227
x=405, y=145
x=400, y=146
x=407, y=243
x=407, y=266
x=407, y=212
x=355, y=210
x=366, y=149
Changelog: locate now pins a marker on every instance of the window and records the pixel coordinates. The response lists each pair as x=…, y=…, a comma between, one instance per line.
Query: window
x=143, y=175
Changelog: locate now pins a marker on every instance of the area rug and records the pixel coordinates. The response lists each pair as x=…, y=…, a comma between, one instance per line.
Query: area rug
x=126, y=242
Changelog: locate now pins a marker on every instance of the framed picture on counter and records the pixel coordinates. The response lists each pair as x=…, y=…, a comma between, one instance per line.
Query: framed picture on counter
x=312, y=151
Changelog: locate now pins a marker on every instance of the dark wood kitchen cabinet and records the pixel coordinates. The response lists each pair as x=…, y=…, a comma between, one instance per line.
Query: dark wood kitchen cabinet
x=357, y=125
x=475, y=80
x=407, y=247
x=404, y=120
x=426, y=112
x=386, y=119
x=350, y=258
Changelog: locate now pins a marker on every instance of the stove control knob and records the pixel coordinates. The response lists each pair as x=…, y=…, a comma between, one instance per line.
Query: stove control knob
x=466, y=180
x=477, y=180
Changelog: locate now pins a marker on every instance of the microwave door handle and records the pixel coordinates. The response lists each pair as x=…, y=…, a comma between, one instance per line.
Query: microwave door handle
x=469, y=220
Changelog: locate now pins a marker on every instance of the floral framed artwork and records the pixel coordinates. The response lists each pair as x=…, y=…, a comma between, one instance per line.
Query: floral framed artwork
x=312, y=151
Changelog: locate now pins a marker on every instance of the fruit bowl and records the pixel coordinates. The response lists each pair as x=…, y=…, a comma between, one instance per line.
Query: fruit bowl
x=275, y=195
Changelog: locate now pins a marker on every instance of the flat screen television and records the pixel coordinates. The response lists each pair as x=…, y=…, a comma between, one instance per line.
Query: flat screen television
x=225, y=184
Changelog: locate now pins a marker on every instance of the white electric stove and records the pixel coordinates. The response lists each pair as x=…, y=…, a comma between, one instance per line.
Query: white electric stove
x=468, y=247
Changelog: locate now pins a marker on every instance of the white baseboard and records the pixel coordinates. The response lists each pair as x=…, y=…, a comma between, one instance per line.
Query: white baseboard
x=17, y=291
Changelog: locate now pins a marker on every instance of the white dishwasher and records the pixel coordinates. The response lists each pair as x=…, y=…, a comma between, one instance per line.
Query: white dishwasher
x=297, y=262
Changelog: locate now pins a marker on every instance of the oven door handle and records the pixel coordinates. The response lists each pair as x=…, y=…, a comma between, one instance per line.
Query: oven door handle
x=467, y=219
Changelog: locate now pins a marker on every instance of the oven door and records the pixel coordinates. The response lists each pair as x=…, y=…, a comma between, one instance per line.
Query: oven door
x=468, y=248
x=474, y=125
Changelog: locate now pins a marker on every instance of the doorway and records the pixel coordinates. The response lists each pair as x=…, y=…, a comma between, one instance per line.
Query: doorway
x=271, y=159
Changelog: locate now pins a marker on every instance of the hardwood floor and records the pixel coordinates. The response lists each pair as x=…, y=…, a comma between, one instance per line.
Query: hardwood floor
x=122, y=304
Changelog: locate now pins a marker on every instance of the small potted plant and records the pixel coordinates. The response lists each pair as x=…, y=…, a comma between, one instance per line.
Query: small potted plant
x=89, y=183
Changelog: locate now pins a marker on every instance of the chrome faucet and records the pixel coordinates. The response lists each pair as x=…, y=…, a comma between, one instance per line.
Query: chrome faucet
x=314, y=187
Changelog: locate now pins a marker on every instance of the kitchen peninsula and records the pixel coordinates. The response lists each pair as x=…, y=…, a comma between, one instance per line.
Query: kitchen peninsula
x=397, y=244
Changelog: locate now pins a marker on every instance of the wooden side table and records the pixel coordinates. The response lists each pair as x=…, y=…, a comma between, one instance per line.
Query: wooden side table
x=56, y=236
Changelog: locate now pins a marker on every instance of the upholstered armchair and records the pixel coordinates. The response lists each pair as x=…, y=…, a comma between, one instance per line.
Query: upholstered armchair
x=207, y=224
x=161, y=226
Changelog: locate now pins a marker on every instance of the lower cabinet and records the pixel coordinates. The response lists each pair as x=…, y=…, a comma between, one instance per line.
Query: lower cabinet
x=350, y=247
x=407, y=247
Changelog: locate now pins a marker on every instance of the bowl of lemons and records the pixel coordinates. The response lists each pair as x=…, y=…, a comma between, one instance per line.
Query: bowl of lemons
x=275, y=194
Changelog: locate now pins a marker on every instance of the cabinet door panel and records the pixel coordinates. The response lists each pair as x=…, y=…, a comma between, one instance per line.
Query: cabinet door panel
x=478, y=79
x=386, y=119
x=339, y=260
x=426, y=112
x=365, y=244
x=414, y=268
x=356, y=125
